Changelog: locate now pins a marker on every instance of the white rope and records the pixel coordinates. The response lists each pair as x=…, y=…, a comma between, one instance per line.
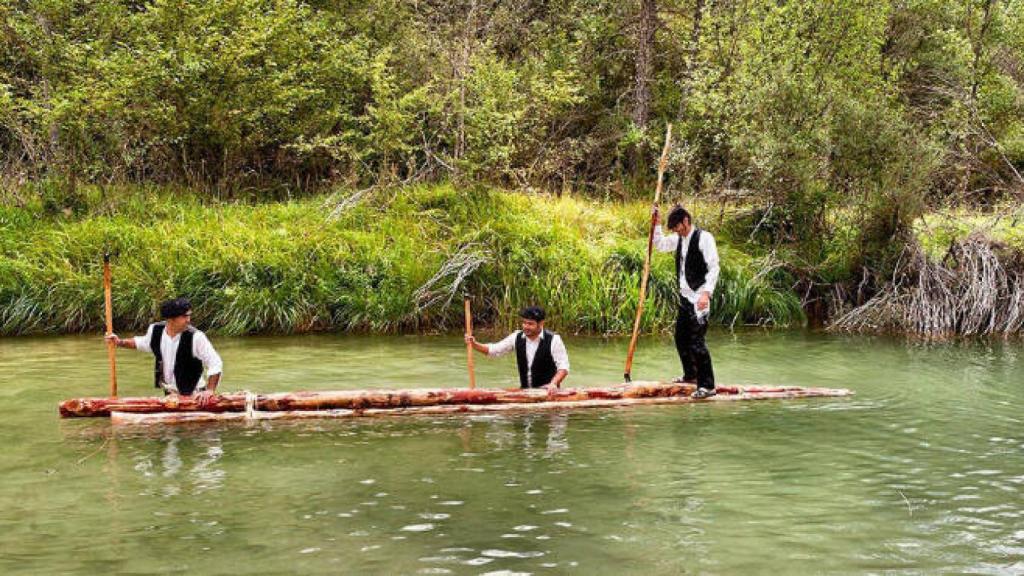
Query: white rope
x=250, y=404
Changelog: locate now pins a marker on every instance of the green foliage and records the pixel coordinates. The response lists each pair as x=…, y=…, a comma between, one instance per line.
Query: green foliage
x=938, y=231
x=284, y=267
x=837, y=122
x=537, y=92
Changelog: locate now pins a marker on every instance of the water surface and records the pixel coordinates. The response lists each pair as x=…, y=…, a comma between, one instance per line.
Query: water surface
x=921, y=472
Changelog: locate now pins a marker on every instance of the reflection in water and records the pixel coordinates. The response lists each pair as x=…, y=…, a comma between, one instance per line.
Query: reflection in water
x=540, y=434
x=175, y=450
x=557, y=441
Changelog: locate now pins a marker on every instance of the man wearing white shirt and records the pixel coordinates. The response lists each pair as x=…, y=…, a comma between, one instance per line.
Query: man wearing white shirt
x=540, y=354
x=182, y=353
x=697, y=272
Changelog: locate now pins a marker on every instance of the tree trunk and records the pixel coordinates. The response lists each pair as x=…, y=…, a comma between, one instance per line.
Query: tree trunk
x=724, y=395
x=456, y=399
x=647, y=23
x=692, y=53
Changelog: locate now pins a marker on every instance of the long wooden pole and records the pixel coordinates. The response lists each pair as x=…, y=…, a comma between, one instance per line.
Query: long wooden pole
x=109, y=308
x=469, y=347
x=662, y=163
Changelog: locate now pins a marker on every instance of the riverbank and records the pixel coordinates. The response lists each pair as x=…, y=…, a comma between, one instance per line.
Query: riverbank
x=398, y=260
x=388, y=260
x=962, y=275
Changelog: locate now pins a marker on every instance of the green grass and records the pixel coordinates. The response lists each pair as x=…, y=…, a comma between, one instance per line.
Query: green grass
x=937, y=231
x=285, y=267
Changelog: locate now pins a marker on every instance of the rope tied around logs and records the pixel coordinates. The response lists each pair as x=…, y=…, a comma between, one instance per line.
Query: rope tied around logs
x=250, y=404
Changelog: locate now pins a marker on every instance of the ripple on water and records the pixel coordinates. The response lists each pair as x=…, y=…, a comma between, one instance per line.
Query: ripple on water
x=418, y=527
x=495, y=553
x=440, y=559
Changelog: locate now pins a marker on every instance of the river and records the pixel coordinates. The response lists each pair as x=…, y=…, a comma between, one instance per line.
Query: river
x=921, y=472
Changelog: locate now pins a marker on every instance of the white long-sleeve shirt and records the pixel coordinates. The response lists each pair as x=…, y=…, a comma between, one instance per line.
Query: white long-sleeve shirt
x=201, y=349
x=706, y=244
x=508, y=344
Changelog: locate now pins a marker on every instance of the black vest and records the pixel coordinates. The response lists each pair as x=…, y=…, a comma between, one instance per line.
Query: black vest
x=187, y=368
x=695, y=268
x=543, y=368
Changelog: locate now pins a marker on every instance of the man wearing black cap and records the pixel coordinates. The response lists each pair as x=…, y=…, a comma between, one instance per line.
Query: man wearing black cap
x=697, y=272
x=540, y=354
x=182, y=353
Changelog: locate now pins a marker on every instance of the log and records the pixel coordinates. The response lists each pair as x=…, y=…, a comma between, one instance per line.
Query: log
x=127, y=418
x=364, y=400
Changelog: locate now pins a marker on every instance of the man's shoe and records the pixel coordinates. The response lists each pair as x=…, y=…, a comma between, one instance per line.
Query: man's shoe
x=684, y=380
x=703, y=393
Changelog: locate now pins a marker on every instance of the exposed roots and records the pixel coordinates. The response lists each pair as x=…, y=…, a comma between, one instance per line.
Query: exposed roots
x=971, y=291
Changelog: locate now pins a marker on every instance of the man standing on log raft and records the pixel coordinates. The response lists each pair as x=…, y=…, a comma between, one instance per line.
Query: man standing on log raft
x=697, y=272
x=182, y=353
x=540, y=354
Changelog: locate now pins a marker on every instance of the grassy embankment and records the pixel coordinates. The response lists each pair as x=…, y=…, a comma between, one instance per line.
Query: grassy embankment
x=1004, y=225
x=391, y=262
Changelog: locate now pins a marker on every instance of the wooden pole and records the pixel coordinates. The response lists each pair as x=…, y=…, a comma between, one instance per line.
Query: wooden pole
x=662, y=163
x=469, y=347
x=109, y=309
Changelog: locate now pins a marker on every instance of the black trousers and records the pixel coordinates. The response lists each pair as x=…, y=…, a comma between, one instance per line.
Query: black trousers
x=693, y=352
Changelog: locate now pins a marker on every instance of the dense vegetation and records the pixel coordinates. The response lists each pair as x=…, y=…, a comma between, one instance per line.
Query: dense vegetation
x=800, y=100
x=836, y=125
x=399, y=260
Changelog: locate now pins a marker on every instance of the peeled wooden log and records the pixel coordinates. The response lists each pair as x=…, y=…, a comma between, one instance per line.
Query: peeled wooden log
x=123, y=418
x=364, y=400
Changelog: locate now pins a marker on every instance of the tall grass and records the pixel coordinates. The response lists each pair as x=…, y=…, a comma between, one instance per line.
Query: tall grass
x=390, y=263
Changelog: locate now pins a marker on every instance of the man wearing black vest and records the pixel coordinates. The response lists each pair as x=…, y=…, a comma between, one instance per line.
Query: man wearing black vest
x=181, y=351
x=540, y=354
x=697, y=270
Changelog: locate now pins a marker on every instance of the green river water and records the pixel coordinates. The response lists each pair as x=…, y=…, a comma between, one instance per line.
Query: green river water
x=921, y=472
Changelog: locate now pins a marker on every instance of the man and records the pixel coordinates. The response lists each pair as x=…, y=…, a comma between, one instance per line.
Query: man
x=181, y=351
x=697, y=273
x=540, y=354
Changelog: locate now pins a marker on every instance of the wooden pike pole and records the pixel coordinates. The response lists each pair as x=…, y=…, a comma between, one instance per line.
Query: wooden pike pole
x=469, y=347
x=662, y=163
x=109, y=309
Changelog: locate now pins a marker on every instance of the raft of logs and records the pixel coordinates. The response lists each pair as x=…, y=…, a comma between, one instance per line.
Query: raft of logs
x=354, y=403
